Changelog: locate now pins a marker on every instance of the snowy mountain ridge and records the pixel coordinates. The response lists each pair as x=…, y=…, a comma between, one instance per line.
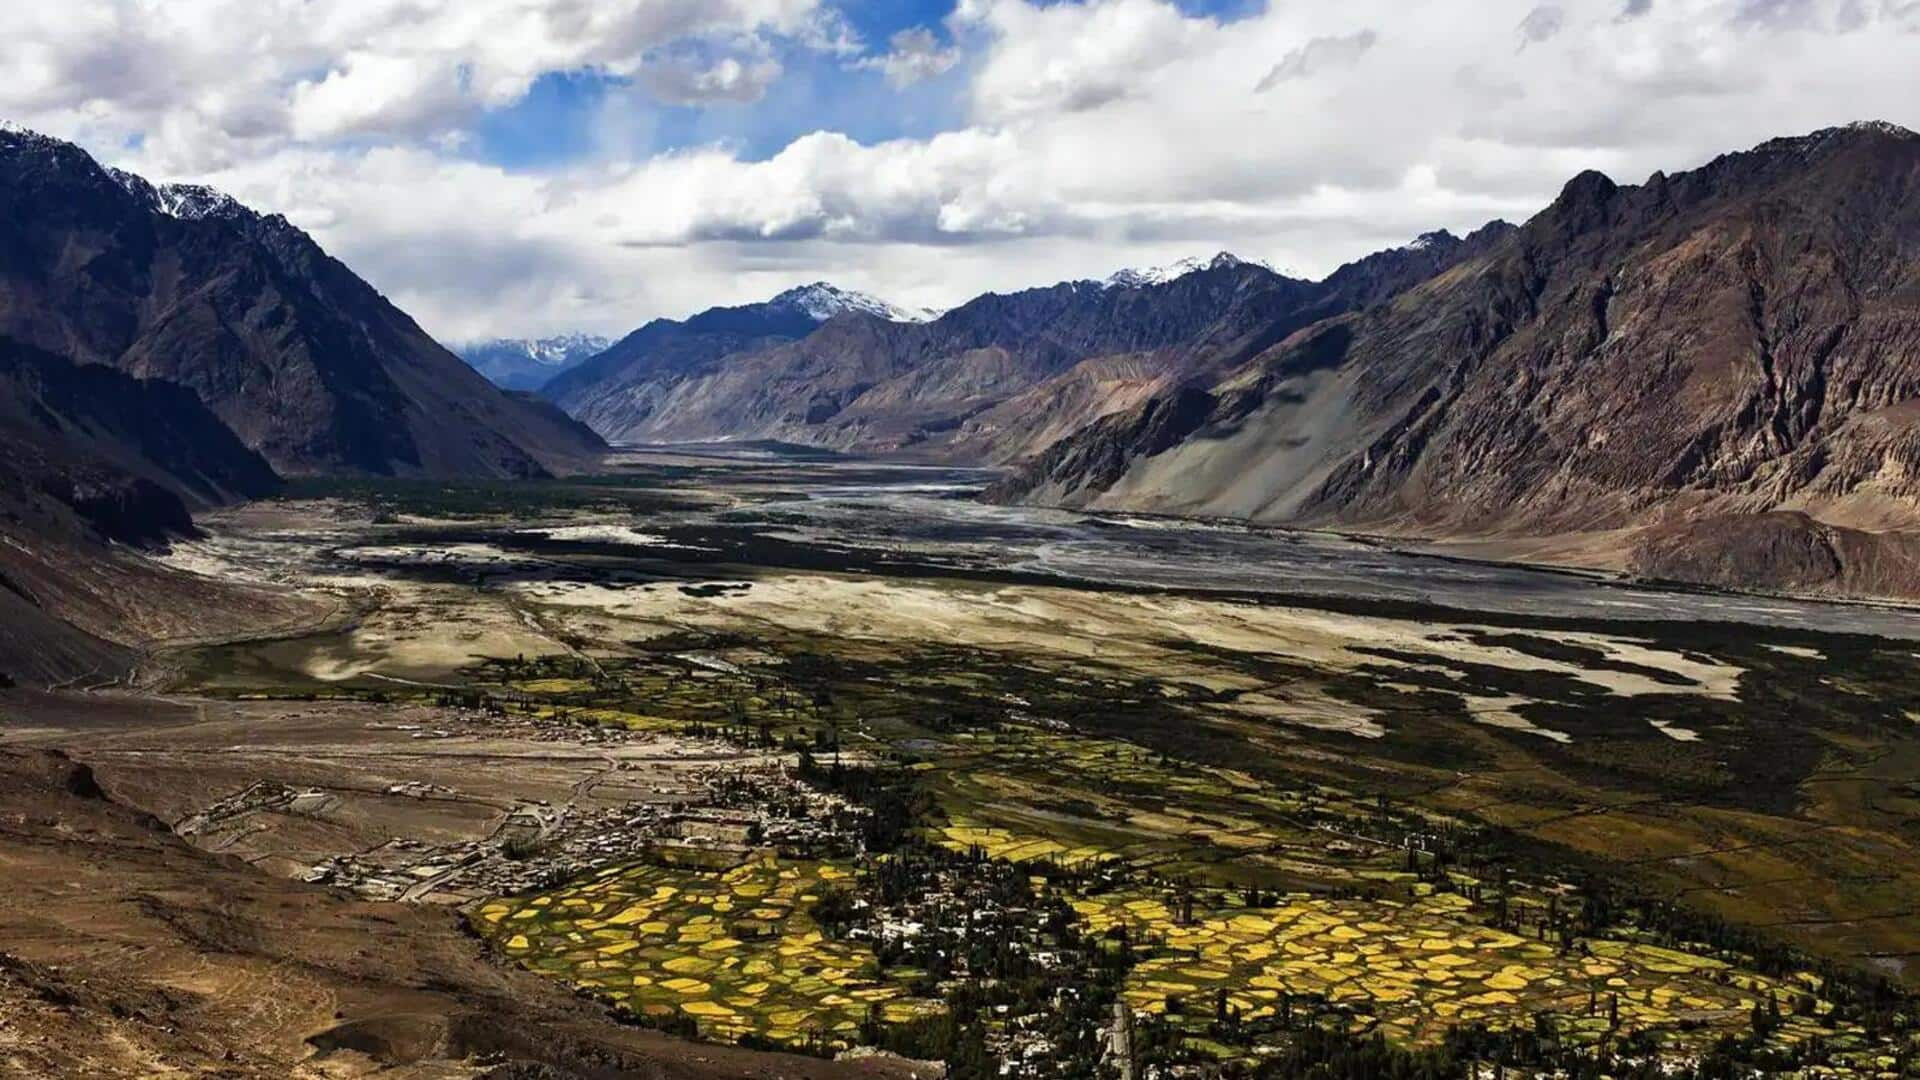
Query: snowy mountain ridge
x=527, y=363
x=1141, y=277
x=821, y=301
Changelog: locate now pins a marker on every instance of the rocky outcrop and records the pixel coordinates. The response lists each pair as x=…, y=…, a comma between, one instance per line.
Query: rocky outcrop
x=1733, y=341
x=1779, y=552
x=304, y=361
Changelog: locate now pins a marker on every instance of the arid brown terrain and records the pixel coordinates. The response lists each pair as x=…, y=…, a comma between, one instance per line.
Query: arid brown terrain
x=304, y=361
x=129, y=952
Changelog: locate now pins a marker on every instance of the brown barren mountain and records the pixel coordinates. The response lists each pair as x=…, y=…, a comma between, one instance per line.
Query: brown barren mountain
x=306, y=362
x=990, y=381
x=166, y=349
x=1714, y=375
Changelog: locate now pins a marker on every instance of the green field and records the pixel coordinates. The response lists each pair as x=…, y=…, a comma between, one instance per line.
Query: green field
x=733, y=950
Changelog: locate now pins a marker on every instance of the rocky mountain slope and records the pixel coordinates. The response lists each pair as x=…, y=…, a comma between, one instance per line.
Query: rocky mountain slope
x=992, y=380
x=93, y=462
x=304, y=361
x=164, y=350
x=1105, y=384
x=127, y=457
x=635, y=390
x=1716, y=375
x=530, y=363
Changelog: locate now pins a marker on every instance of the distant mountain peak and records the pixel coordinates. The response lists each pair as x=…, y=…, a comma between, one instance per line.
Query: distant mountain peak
x=1830, y=138
x=1438, y=238
x=1880, y=127
x=552, y=350
x=1160, y=275
x=528, y=363
x=822, y=301
x=22, y=133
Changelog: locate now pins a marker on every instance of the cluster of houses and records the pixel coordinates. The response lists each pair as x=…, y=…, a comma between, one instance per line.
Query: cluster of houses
x=726, y=808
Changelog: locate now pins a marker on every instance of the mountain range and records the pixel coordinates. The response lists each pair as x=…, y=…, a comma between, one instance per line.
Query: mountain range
x=306, y=363
x=1712, y=376
x=646, y=387
x=992, y=380
x=530, y=363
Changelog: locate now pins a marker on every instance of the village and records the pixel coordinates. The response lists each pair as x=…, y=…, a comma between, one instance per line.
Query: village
x=727, y=811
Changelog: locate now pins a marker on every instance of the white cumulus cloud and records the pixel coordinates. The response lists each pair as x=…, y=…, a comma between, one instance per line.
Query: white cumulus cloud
x=916, y=56
x=1085, y=135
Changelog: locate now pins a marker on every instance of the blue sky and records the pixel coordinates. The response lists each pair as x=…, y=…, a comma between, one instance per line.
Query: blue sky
x=562, y=116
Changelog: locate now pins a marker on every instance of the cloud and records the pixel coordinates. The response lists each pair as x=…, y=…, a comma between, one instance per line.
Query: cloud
x=731, y=79
x=1774, y=12
x=1318, y=55
x=1075, y=138
x=264, y=71
x=1635, y=8
x=1541, y=24
x=375, y=92
x=916, y=56
x=1074, y=57
x=827, y=30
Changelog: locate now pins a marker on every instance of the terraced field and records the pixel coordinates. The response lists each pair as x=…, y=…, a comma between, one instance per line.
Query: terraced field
x=1416, y=967
x=733, y=949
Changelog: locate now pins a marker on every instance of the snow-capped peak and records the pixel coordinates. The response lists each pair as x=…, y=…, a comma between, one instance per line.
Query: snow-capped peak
x=1160, y=275
x=188, y=202
x=1434, y=239
x=555, y=351
x=1880, y=127
x=173, y=200
x=527, y=363
x=559, y=349
x=821, y=301
x=191, y=202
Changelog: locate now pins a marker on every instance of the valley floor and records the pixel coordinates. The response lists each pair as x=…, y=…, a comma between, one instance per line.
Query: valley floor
x=811, y=756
